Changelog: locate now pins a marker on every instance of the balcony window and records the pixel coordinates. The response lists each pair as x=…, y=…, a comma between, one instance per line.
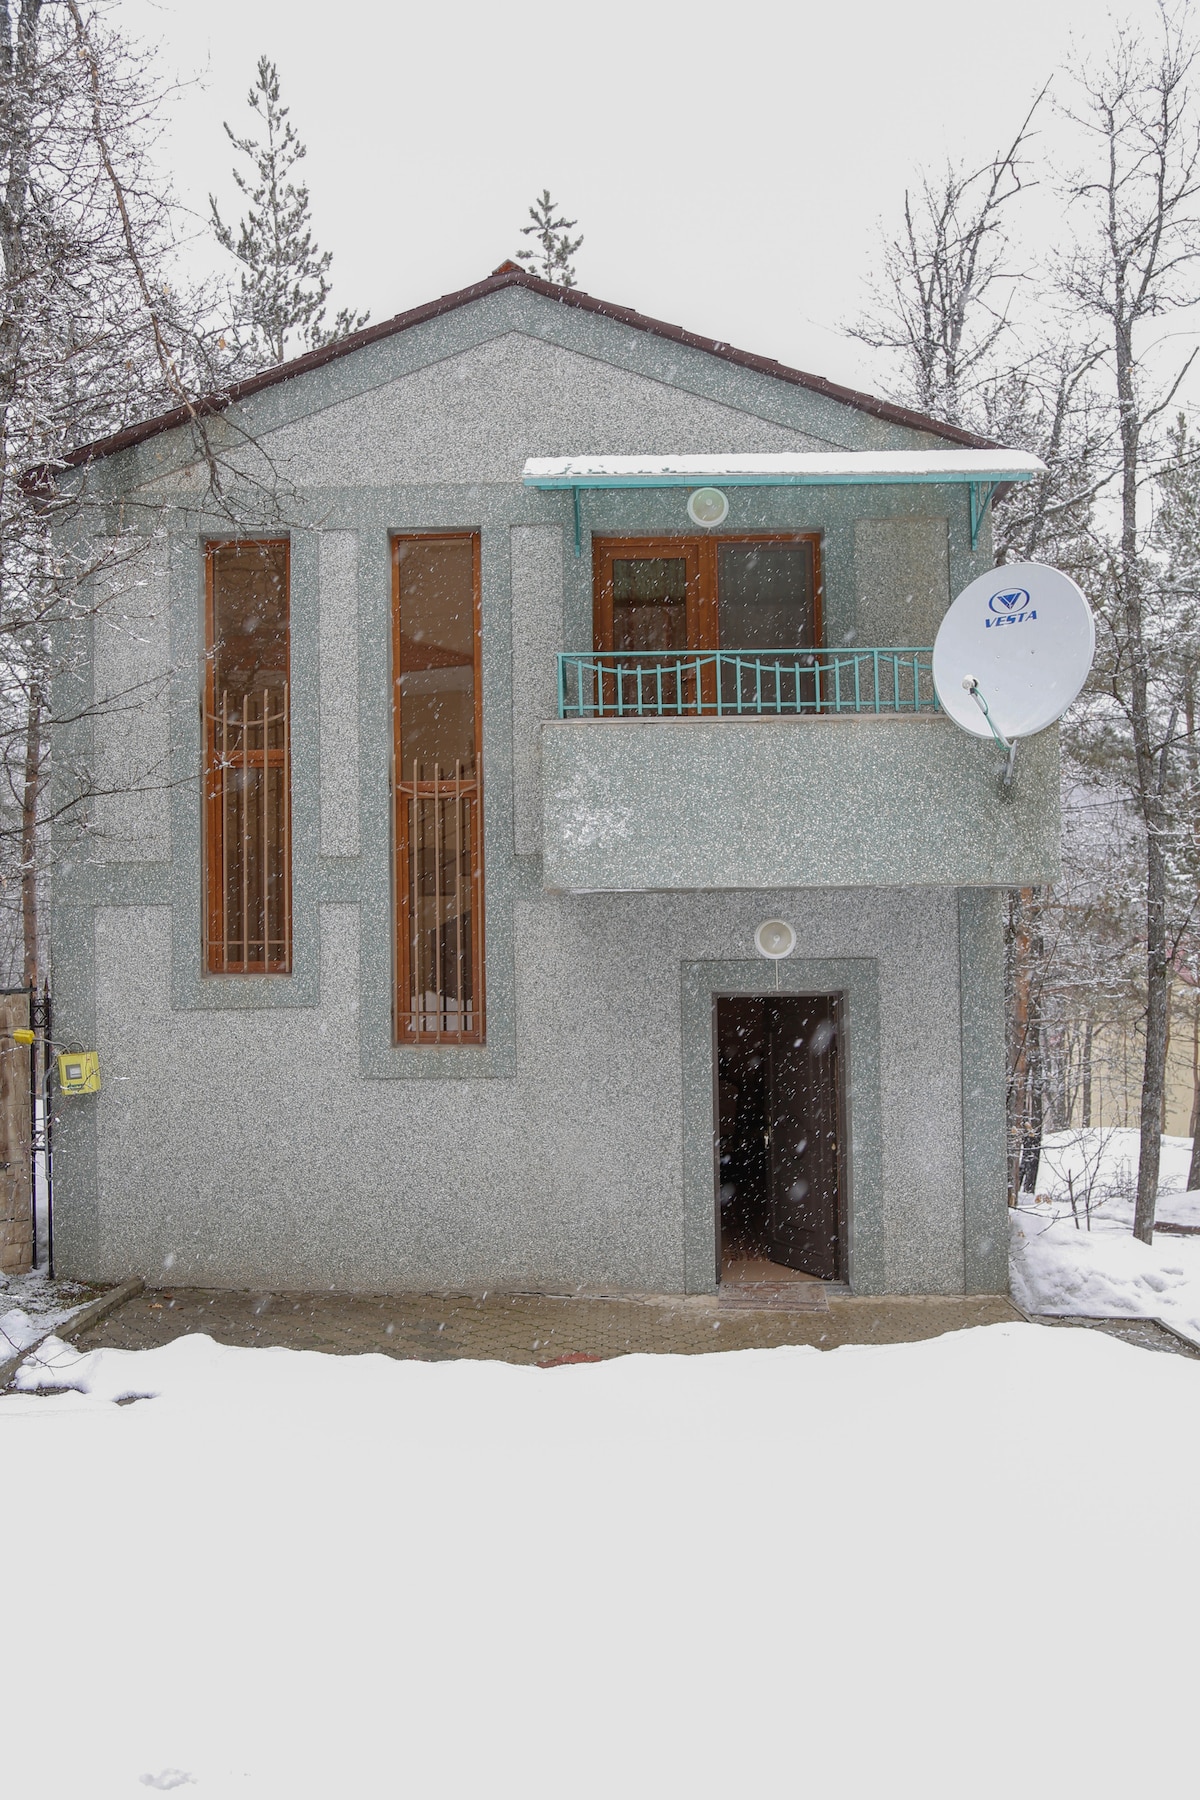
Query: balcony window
x=745, y=593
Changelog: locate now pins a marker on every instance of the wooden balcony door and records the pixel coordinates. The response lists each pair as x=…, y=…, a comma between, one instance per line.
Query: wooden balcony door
x=756, y=592
x=649, y=598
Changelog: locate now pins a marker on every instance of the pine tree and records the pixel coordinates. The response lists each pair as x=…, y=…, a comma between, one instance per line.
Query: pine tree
x=284, y=283
x=555, y=246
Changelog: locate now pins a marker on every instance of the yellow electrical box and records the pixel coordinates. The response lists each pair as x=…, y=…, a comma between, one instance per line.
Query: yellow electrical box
x=79, y=1072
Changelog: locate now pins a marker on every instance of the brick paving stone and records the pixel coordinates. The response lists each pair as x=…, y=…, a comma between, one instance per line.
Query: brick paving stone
x=524, y=1328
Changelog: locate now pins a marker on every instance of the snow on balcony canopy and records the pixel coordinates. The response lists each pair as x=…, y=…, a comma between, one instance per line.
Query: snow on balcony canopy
x=812, y=468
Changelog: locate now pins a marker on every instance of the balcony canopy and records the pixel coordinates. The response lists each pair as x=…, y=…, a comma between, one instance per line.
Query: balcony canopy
x=983, y=472
x=795, y=469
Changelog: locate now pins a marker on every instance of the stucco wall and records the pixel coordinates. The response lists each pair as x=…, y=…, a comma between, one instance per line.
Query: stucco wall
x=248, y=1150
x=131, y=669
x=854, y=801
x=902, y=579
x=268, y=1130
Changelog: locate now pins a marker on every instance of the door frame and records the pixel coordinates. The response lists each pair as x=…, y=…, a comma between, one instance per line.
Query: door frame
x=856, y=980
x=841, y=1115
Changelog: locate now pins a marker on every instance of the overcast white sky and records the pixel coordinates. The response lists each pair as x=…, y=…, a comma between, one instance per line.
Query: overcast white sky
x=727, y=162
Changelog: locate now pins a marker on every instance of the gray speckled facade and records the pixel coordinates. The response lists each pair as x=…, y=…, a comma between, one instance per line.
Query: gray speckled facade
x=849, y=802
x=267, y=1130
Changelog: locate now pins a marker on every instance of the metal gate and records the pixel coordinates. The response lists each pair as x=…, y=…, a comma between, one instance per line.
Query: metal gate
x=25, y=1125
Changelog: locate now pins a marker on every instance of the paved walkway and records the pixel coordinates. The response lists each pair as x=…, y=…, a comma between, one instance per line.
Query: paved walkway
x=525, y=1328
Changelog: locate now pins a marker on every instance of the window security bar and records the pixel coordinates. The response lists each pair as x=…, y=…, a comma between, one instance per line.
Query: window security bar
x=250, y=779
x=438, y=878
x=670, y=684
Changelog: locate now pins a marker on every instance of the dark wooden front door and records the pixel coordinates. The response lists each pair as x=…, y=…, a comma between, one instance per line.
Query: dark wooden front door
x=802, y=1201
x=779, y=1130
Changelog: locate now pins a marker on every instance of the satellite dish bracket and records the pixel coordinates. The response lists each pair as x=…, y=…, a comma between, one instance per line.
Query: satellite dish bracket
x=1009, y=745
x=980, y=497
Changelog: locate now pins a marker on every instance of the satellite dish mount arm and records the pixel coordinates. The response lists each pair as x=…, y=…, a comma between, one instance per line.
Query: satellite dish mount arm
x=1009, y=745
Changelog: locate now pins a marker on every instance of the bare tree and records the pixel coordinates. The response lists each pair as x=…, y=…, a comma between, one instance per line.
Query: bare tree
x=1048, y=403
x=945, y=308
x=943, y=303
x=1136, y=204
x=94, y=332
x=1175, y=536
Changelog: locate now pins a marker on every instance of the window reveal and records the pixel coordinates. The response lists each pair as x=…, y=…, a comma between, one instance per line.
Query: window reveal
x=247, y=720
x=437, y=789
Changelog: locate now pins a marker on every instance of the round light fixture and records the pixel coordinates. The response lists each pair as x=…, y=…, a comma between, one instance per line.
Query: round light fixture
x=707, y=506
x=774, y=939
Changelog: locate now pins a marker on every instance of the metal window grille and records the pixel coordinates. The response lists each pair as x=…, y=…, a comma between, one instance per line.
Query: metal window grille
x=250, y=829
x=439, y=889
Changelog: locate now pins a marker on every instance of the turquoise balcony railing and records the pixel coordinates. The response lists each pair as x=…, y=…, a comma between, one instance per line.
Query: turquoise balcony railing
x=711, y=684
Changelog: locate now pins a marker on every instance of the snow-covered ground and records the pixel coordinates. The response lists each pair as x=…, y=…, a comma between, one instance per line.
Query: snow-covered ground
x=31, y=1305
x=1081, y=1258
x=933, y=1569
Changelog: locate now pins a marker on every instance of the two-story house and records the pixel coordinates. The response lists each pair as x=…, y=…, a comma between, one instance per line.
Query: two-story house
x=531, y=657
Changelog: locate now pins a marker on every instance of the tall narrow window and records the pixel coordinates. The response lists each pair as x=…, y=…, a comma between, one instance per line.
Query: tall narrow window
x=247, y=721
x=438, y=825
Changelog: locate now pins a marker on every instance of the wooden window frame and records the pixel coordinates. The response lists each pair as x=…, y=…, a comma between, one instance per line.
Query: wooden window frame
x=214, y=803
x=703, y=622
x=403, y=1029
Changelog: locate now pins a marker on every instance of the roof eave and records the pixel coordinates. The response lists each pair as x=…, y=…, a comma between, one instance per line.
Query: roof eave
x=207, y=405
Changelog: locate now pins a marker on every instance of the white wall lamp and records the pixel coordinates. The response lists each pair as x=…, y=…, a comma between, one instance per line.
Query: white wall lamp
x=775, y=939
x=708, y=507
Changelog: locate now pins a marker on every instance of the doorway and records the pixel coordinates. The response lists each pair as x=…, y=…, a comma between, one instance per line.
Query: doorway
x=779, y=1108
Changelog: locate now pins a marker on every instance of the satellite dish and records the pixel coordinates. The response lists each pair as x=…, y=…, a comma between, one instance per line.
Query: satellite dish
x=707, y=506
x=774, y=939
x=1013, y=651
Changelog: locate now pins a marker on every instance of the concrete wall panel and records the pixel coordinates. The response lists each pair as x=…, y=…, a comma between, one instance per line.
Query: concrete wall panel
x=537, y=634
x=857, y=801
x=247, y=1150
x=131, y=669
x=339, y=692
x=902, y=576
x=478, y=415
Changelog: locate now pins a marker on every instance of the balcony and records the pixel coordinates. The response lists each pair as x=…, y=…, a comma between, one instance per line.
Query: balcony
x=727, y=769
x=741, y=684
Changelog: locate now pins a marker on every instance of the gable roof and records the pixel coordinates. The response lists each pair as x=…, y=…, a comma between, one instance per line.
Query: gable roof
x=509, y=275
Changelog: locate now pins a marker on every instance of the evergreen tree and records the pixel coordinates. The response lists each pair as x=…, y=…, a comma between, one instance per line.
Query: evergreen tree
x=555, y=246
x=284, y=283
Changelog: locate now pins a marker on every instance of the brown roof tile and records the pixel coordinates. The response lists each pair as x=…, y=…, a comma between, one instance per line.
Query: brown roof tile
x=508, y=275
